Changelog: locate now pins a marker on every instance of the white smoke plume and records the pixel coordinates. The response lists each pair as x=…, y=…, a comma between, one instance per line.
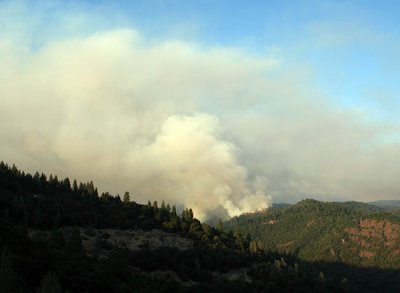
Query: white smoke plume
x=189, y=164
x=105, y=108
x=211, y=128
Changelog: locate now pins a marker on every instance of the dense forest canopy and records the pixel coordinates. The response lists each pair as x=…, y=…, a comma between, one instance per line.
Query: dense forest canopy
x=64, y=236
x=45, y=223
x=314, y=230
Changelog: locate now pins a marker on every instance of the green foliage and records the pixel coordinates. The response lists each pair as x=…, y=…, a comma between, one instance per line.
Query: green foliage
x=322, y=231
x=71, y=213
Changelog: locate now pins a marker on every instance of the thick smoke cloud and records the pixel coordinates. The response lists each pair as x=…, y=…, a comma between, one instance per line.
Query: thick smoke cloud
x=209, y=128
x=187, y=163
x=107, y=107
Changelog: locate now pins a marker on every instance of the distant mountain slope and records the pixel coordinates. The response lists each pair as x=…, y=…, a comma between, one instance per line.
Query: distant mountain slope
x=389, y=205
x=350, y=232
x=280, y=205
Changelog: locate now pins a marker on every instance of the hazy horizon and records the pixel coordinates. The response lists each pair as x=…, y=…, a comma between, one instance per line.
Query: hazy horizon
x=224, y=107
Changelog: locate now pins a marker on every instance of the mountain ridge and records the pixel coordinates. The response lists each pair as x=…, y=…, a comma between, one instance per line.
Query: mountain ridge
x=61, y=236
x=66, y=236
x=389, y=205
x=327, y=231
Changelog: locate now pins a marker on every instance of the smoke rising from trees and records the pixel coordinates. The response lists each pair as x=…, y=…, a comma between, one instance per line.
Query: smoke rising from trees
x=212, y=128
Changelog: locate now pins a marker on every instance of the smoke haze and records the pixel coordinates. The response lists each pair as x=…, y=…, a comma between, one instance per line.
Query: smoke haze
x=212, y=128
x=106, y=107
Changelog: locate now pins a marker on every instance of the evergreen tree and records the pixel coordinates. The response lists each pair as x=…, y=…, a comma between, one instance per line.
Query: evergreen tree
x=126, y=197
x=43, y=180
x=66, y=184
x=75, y=187
x=55, y=180
x=36, y=177
x=190, y=214
x=173, y=212
x=184, y=215
x=196, y=229
x=90, y=188
x=14, y=170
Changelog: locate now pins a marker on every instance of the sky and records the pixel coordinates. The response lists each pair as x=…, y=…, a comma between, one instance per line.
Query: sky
x=222, y=106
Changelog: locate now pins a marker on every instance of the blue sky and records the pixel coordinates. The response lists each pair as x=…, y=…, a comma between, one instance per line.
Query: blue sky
x=297, y=98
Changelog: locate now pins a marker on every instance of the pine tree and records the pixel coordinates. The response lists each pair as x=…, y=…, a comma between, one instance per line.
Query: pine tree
x=196, y=229
x=185, y=214
x=75, y=187
x=82, y=189
x=67, y=184
x=190, y=214
x=90, y=188
x=126, y=197
x=55, y=180
x=36, y=177
x=14, y=170
x=173, y=212
x=43, y=180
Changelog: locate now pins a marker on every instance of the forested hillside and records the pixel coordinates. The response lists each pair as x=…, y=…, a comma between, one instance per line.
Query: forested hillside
x=58, y=236
x=390, y=205
x=352, y=233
